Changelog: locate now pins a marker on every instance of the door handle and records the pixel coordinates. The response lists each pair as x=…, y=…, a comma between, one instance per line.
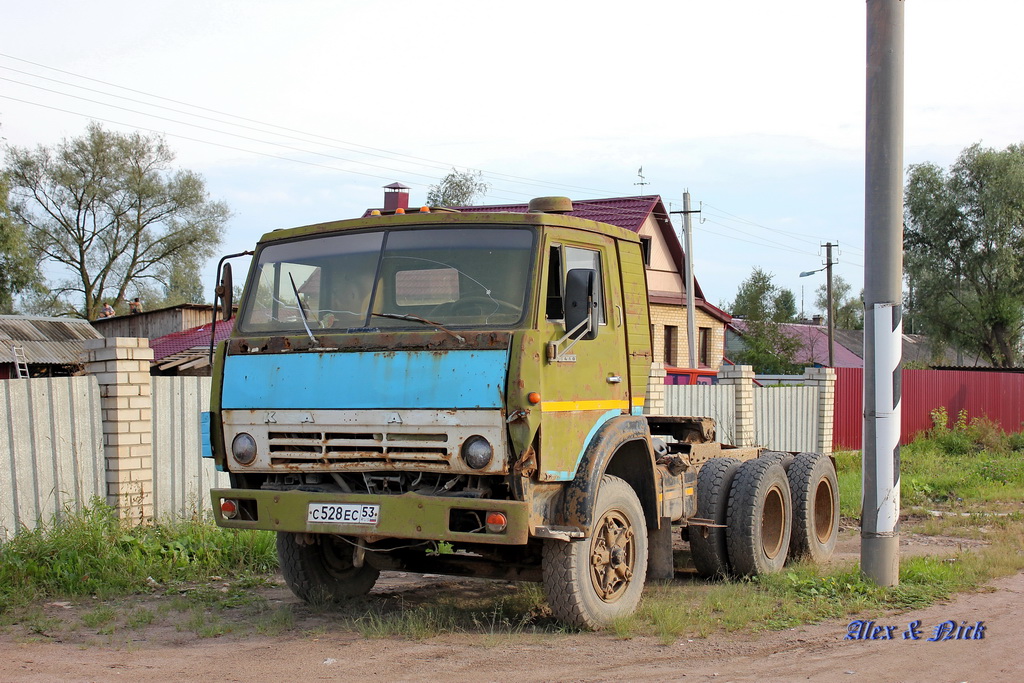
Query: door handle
x=614, y=379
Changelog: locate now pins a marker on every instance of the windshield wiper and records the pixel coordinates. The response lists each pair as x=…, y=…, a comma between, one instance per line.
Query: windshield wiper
x=302, y=310
x=416, y=318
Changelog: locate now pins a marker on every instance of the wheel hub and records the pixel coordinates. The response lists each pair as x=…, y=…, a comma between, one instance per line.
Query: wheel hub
x=612, y=556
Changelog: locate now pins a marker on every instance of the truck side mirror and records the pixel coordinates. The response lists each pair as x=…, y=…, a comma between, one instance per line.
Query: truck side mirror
x=580, y=303
x=225, y=293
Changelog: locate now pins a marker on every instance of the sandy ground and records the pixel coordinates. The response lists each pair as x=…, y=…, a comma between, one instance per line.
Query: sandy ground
x=817, y=653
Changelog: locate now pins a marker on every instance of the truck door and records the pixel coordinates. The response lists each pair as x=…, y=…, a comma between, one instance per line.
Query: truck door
x=586, y=383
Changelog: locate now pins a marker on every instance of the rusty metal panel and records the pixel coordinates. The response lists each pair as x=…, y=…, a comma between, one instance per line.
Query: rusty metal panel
x=716, y=401
x=51, y=450
x=181, y=478
x=786, y=418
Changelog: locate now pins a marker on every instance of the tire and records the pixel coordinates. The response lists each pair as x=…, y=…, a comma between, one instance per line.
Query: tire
x=760, y=518
x=812, y=479
x=318, y=568
x=592, y=581
x=707, y=544
x=785, y=459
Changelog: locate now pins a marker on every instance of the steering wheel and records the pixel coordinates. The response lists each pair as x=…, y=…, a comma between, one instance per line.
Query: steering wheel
x=481, y=306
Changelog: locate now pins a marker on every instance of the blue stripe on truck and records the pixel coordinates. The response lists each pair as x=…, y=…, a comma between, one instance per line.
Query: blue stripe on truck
x=365, y=380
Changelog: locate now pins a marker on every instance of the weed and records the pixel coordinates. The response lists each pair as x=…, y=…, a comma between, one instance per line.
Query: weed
x=205, y=624
x=275, y=621
x=140, y=618
x=100, y=616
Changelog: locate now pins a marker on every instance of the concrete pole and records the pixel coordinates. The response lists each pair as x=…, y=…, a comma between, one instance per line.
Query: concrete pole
x=831, y=306
x=883, y=280
x=691, y=316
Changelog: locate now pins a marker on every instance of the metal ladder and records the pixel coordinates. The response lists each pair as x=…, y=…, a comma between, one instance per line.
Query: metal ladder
x=20, y=364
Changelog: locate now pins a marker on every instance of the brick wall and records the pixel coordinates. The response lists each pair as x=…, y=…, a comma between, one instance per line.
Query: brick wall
x=121, y=366
x=662, y=315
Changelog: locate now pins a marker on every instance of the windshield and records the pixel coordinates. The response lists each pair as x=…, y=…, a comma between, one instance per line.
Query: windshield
x=455, y=277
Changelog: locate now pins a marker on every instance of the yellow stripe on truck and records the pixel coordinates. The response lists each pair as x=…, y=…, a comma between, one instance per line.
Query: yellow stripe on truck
x=573, y=406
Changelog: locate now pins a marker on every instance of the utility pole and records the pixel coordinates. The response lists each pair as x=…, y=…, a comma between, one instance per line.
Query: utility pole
x=883, y=290
x=691, y=315
x=830, y=302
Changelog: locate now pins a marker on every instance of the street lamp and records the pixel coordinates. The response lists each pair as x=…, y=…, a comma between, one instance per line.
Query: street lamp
x=828, y=299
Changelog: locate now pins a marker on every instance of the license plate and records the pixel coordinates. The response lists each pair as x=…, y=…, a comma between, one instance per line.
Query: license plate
x=342, y=513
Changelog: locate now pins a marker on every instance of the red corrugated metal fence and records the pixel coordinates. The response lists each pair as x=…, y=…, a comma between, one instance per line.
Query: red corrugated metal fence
x=996, y=395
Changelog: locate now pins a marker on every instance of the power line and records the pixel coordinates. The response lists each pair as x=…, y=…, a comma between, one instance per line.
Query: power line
x=388, y=153
x=500, y=194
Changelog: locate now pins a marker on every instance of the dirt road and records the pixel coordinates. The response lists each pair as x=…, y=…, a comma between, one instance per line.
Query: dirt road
x=816, y=653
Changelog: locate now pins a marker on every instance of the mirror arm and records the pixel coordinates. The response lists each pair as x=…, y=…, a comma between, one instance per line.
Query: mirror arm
x=563, y=356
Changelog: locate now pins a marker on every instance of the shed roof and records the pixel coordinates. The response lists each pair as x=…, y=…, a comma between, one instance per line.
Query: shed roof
x=46, y=341
x=188, y=347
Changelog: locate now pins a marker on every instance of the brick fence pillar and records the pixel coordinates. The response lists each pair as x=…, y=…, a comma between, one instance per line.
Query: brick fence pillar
x=824, y=379
x=742, y=377
x=654, y=404
x=121, y=366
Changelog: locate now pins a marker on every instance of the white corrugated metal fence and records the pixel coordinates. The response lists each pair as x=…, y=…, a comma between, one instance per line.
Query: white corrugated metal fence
x=51, y=449
x=181, y=479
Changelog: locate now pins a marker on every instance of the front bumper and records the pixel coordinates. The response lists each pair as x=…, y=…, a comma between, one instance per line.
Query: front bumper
x=409, y=515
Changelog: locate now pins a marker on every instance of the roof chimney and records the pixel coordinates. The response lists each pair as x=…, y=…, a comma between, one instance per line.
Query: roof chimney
x=396, y=196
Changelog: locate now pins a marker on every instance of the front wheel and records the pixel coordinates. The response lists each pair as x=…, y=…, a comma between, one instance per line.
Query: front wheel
x=318, y=568
x=591, y=582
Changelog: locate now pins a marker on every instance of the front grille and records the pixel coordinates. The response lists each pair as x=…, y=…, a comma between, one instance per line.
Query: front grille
x=356, y=448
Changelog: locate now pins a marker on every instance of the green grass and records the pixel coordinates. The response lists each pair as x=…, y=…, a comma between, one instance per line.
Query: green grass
x=972, y=466
x=93, y=553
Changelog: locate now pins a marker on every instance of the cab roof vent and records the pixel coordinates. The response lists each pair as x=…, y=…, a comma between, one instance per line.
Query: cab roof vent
x=551, y=205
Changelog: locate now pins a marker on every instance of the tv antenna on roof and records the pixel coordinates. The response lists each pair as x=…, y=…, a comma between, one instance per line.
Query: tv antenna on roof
x=643, y=181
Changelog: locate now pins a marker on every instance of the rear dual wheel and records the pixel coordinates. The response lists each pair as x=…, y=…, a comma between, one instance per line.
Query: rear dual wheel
x=812, y=479
x=760, y=518
x=707, y=543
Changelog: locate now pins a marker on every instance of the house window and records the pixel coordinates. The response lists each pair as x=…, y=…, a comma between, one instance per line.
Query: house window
x=645, y=249
x=671, y=335
x=704, y=352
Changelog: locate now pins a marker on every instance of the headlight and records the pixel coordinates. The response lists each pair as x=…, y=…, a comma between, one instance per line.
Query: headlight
x=243, y=448
x=477, y=452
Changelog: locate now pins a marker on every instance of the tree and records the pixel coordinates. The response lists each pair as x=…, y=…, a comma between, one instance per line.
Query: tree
x=458, y=188
x=848, y=311
x=964, y=251
x=112, y=210
x=765, y=308
x=785, y=306
x=758, y=298
x=18, y=272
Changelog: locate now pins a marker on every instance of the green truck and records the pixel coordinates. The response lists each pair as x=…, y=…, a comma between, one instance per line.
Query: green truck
x=463, y=394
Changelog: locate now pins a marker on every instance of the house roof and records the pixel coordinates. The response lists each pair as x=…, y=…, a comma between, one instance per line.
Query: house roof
x=189, y=347
x=814, y=345
x=917, y=348
x=46, y=341
x=849, y=347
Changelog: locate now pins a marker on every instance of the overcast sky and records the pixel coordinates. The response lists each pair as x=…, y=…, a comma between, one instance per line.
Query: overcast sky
x=298, y=112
